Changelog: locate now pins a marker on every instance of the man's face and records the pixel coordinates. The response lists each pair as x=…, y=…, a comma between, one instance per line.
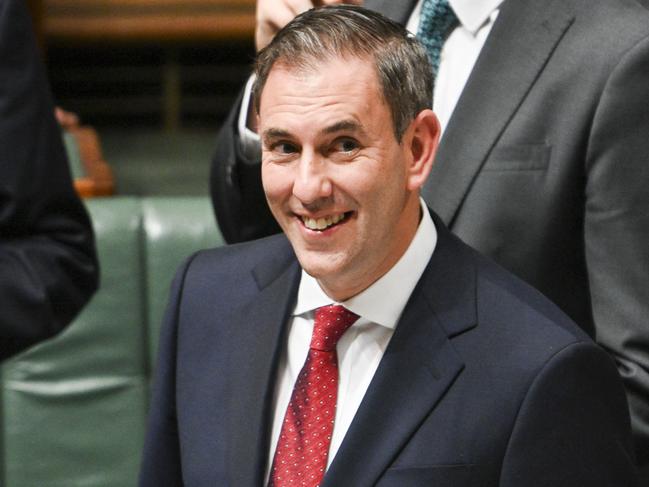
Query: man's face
x=335, y=177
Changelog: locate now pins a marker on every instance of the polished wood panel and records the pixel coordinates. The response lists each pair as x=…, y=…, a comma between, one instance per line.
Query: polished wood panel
x=139, y=21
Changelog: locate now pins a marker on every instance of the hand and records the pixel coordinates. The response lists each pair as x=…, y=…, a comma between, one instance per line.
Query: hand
x=67, y=120
x=272, y=15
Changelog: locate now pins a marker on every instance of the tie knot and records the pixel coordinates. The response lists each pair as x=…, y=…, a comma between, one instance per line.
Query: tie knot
x=437, y=19
x=330, y=324
x=437, y=16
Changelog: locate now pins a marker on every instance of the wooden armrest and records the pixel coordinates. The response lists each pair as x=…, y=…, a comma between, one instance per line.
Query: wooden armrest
x=98, y=179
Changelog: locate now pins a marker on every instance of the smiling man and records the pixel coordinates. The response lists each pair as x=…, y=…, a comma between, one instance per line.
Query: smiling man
x=367, y=345
x=341, y=185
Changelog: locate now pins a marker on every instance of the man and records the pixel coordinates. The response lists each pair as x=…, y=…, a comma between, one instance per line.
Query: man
x=367, y=345
x=543, y=164
x=48, y=266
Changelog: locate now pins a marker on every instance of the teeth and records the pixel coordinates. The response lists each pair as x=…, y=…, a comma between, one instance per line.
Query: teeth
x=322, y=223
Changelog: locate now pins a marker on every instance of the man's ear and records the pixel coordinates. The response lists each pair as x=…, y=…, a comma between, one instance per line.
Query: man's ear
x=422, y=139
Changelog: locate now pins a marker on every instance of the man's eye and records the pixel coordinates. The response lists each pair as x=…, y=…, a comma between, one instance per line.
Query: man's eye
x=346, y=145
x=285, y=148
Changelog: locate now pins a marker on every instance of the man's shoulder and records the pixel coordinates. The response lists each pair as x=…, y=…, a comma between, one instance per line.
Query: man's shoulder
x=623, y=20
x=616, y=22
x=517, y=331
x=245, y=256
x=511, y=310
x=505, y=298
x=233, y=274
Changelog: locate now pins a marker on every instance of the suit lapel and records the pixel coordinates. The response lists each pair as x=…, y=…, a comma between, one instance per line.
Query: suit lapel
x=516, y=51
x=418, y=367
x=258, y=334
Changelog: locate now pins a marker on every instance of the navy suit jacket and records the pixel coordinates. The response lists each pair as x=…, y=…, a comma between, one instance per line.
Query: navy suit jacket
x=484, y=383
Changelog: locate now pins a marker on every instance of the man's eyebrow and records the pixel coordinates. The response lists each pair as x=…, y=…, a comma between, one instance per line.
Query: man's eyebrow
x=344, y=125
x=274, y=133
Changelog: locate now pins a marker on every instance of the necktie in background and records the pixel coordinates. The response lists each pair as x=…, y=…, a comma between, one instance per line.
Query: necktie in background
x=303, y=446
x=435, y=24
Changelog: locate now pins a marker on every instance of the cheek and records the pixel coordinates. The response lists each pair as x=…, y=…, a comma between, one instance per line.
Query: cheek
x=277, y=181
x=385, y=191
x=377, y=175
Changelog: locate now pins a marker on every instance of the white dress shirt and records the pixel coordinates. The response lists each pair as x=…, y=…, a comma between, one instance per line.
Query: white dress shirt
x=458, y=56
x=361, y=348
x=460, y=50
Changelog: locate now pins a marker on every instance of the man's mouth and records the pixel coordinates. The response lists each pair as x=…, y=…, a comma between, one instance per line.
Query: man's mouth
x=321, y=224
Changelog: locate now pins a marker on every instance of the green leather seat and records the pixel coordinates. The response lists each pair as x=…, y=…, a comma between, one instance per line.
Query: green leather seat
x=73, y=409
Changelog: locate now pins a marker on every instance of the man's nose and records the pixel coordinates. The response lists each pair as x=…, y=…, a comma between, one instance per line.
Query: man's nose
x=312, y=182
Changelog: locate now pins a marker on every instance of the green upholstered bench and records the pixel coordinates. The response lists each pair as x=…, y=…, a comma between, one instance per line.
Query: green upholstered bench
x=73, y=409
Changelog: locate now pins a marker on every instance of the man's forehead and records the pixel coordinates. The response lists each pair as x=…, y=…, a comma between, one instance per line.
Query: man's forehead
x=308, y=65
x=332, y=94
x=327, y=99
x=334, y=77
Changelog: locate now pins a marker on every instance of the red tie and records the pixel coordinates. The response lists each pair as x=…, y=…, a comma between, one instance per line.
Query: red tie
x=303, y=445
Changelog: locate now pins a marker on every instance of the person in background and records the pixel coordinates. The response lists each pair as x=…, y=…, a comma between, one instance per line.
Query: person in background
x=366, y=345
x=543, y=164
x=48, y=266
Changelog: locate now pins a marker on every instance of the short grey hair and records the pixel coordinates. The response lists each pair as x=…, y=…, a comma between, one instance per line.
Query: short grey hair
x=402, y=65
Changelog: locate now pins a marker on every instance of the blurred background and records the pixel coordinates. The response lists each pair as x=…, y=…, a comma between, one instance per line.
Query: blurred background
x=150, y=82
x=154, y=78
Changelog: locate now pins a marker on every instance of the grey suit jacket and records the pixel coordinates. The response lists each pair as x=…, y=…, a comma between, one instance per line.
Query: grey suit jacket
x=544, y=166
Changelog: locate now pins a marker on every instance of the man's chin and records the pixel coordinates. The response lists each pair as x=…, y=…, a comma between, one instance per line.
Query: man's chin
x=318, y=271
x=319, y=264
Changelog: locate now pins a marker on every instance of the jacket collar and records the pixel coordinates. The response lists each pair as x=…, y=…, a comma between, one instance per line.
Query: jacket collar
x=258, y=334
x=473, y=14
x=419, y=366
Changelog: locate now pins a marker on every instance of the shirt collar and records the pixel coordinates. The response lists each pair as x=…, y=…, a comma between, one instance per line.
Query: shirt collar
x=473, y=14
x=397, y=284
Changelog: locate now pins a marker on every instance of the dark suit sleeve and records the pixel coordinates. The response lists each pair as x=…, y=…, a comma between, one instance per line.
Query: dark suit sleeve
x=617, y=229
x=236, y=189
x=573, y=427
x=161, y=464
x=48, y=267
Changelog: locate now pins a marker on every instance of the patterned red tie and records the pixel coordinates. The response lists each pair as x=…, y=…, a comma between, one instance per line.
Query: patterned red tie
x=303, y=445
